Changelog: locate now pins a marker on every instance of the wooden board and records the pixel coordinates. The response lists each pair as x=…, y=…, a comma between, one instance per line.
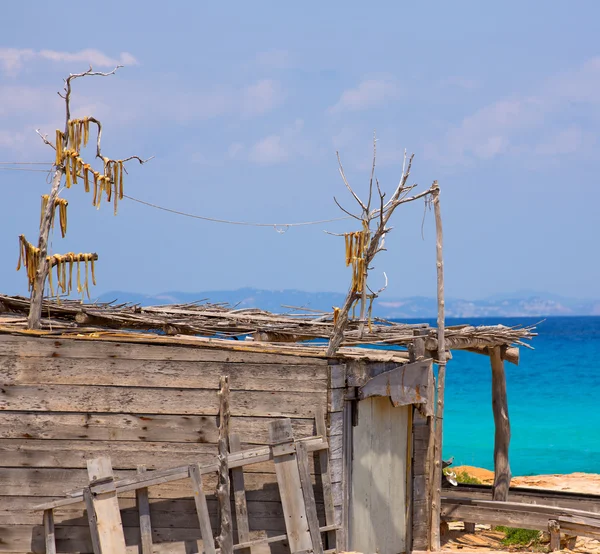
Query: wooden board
x=75, y=398
x=138, y=427
x=378, y=507
x=21, y=539
x=123, y=454
x=160, y=373
x=76, y=348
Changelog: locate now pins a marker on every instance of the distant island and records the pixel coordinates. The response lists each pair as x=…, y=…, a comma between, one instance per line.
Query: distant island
x=520, y=304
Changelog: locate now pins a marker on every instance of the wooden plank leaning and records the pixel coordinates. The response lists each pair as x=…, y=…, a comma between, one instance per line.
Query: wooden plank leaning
x=202, y=509
x=321, y=429
x=49, y=537
x=225, y=539
x=239, y=495
x=309, y=497
x=290, y=489
x=143, y=506
x=111, y=537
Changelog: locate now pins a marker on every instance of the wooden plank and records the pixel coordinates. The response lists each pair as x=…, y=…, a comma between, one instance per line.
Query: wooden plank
x=324, y=465
x=75, y=398
x=202, y=509
x=92, y=520
x=143, y=506
x=502, y=474
x=29, y=538
x=404, y=385
x=309, y=498
x=106, y=508
x=52, y=347
x=160, y=373
x=378, y=504
x=239, y=495
x=49, y=534
x=288, y=479
x=137, y=427
x=180, y=512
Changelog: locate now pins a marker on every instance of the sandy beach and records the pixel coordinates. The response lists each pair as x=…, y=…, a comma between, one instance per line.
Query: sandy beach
x=486, y=539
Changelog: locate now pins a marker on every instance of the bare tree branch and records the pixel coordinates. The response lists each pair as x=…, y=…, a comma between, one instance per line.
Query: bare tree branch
x=345, y=210
x=341, y=169
x=45, y=139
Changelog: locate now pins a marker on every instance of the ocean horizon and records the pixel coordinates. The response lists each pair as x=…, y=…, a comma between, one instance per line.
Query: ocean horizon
x=553, y=396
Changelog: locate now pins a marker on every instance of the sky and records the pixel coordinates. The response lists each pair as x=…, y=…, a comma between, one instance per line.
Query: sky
x=244, y=105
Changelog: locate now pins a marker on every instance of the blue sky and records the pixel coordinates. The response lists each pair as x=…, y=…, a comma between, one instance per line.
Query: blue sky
x=245, y=104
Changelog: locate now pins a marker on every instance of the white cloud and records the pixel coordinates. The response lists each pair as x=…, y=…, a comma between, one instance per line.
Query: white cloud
x=13, y=59
x=269, y=151
x=513, y=125
x=261, y=97
x=277, y=147
x=460, y=82
x=367, y=94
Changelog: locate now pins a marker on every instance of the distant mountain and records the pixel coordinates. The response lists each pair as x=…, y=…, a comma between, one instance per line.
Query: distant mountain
x=526, y=303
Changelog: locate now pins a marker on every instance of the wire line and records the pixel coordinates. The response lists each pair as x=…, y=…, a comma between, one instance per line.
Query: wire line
x=247, y=223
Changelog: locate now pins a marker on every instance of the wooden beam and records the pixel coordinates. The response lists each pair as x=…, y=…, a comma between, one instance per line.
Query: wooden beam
x=554, y=532
x=49, y=536
x=143, y=506
x=202, y=510
x=321, y=428
x=106, y=508
x=510, y=354
x=502, y=473
x=239, y=495
x=225, y=539
x=309, y=497
x=435, y=542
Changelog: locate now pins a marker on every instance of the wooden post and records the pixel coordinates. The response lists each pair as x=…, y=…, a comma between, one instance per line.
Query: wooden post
x=290, y=489
x=441, y=354
x=92, y=521
x=106, y=508
x=321, y=428
x=143, y=506
x=239, y=495
x=554, y=531
x=208, y=541
x=225, y=539
x=309, y=497
x=502, y=475
x=37, y=295
x=49, y=536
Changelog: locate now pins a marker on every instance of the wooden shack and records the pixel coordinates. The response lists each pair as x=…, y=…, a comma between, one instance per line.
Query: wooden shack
x=101, y=380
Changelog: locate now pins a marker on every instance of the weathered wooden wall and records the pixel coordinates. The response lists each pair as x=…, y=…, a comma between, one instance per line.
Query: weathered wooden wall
x=63, y=401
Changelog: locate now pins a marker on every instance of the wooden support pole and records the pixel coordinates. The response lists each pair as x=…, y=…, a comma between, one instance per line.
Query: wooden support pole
x=239, y=495
x=309, y=497
x=106, y=508
x=225, y=539
x=37, y=295
x=143, y=506
x=554, y=531
x=92, y=521
x=321, y=428
x=441, y=355
x=208, y=541
x=49, y=537
x=502, y=475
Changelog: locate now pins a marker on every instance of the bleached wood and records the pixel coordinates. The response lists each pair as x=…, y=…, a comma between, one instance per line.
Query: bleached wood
x=106, y=508
x=49, y=536
x=441, y=360
x=321, y=428
x=225, y=538
x=379, y=478
x=92, y=520
x=309, y=498
x=239, y=495
x=143, y=506
x=290, y=490
x=202, y=509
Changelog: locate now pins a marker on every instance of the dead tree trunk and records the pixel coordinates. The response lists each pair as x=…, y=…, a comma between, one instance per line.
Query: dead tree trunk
x=502, y=474
x=37, y=294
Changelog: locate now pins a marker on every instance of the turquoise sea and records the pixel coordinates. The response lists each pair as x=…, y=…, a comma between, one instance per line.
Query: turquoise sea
x=553, y=400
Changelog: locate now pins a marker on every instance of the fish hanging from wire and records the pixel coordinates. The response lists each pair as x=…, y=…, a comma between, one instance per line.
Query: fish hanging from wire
x=29, y=257
x=61, y=204
x=357, y=244
x=109, y=182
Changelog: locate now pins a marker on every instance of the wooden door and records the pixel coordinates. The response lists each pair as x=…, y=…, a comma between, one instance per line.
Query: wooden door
x=378, y=497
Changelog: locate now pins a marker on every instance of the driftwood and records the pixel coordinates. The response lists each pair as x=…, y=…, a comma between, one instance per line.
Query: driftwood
x=225, y=539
